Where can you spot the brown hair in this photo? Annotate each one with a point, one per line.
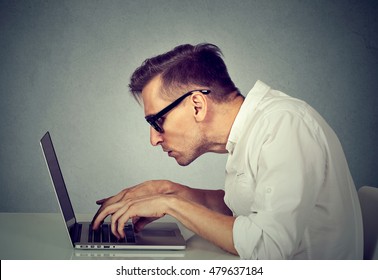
(186, 65)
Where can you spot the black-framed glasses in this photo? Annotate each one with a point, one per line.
(155, 120)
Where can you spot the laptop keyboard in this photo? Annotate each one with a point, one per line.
(105, 235)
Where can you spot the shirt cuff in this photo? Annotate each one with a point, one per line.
(246, 235)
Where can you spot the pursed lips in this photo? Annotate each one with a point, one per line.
(167, 151)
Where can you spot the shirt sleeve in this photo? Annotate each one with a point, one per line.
(290, 171)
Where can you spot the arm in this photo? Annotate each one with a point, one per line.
(209, 224)
(202, 211)
(212, 199)
(289, 169)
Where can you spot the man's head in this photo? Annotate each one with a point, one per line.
(184, 66)
(184, 93)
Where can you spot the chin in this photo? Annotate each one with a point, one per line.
(185, 161)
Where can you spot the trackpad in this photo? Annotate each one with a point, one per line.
(157, 232)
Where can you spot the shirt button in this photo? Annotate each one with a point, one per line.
(268, 190)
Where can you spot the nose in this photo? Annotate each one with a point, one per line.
(156, 137)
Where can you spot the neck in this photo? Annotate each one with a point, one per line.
(220, 123)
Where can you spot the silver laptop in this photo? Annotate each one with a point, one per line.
(155, 236)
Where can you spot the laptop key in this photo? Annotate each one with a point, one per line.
(97, 235)
(129, 232)
(90, 234)
(108, 236)
(78, 232)
(75, 232)
(105, 233)
(113, 238)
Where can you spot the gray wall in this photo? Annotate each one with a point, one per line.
(65, 67)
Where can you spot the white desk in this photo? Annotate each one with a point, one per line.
(43, 236)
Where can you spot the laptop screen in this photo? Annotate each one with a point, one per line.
(57, 179)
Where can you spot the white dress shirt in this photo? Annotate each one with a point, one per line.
(288, 183)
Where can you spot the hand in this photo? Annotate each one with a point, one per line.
(152, 207)
(148, 188)
(140, 222)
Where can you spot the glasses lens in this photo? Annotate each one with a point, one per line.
(154, 123)
(157, 127)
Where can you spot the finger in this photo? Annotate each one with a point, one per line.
(96, 215)
(113, 228)
(121, 225)
(110, 199)
(104, 213)
(115, 220)
(119, 219)
(101, 201)
(106, 202)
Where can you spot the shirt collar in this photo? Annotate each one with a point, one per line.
(249, 105)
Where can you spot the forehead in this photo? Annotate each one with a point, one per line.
(152, 99)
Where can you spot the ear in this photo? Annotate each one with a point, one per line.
(199, 103)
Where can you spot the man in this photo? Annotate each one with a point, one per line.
(288, 192)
